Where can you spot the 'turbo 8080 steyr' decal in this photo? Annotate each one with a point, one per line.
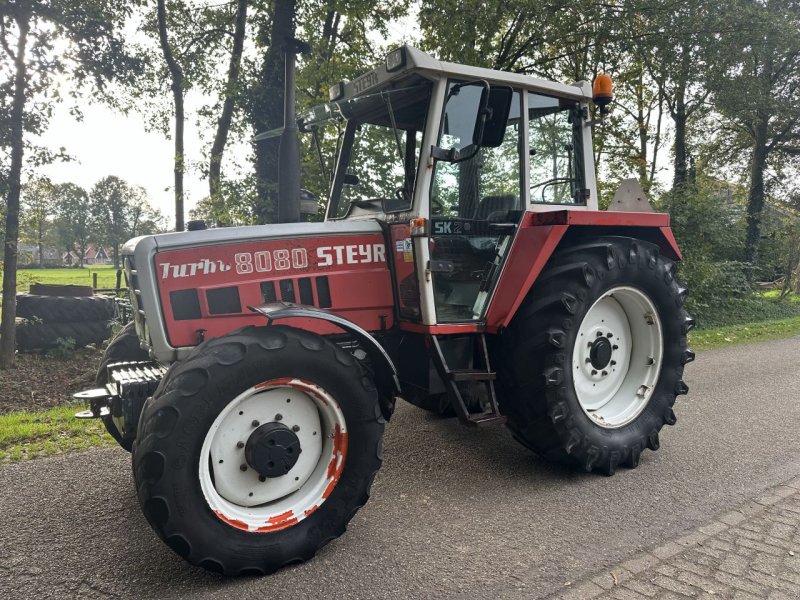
(279, 259)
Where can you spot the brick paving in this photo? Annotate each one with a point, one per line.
(752, 552)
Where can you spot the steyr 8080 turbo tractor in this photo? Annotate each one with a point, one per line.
(463, 266)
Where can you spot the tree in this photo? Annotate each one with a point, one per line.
(758, 90)
(143, 218)
(112, 211)
(73, 219)
(230, 95)
(177, 78)
(37, 214)
(29, 30)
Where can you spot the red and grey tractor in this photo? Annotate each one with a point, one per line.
(463, 266)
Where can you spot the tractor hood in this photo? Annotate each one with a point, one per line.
(197, 285)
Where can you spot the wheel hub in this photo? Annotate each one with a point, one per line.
(617, 356)
(272, 449)
(600, 353)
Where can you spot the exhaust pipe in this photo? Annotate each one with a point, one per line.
(289, 179)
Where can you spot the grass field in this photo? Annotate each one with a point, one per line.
(25, 434)
(106, 277)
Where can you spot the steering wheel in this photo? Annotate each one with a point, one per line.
(545, 184)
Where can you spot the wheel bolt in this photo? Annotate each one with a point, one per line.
(599, 334)
(615, 347)
(613, 362)
(240, 444)
(278, 417)
(604, 373)
(255, 423)
(243, 467)
(261, 478)
(594, 372)
(296, 428)
(609, 335)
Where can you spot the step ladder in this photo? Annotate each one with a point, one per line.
(478, 375)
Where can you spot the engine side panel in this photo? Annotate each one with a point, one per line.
(211, 287)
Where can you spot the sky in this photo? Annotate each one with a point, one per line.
(107, 142)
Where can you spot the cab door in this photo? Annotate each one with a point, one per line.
(475, 206)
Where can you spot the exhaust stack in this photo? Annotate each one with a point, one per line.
(289, 180)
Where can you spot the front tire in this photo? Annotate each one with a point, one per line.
(208, 481)
(593, 359)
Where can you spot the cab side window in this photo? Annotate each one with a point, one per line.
(556, 150)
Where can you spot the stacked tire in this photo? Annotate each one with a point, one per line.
(57, 313)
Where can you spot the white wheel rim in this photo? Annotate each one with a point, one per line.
(240, 497)
(615, 393)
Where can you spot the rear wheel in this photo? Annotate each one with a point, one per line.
(258, 449)
(592, 361)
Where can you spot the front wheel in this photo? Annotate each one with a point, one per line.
(593, 359)
(257, 449)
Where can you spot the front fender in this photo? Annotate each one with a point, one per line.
(385, 371)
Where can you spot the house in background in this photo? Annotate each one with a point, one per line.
(29, 255)
(95, 255)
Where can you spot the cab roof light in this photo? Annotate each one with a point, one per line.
(602, 91)
(396, 59)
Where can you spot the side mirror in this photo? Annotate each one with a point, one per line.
(475, 117)
(495, 105)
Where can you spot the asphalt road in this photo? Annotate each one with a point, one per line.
(454, 512)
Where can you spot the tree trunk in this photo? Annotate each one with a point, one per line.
(224, 123)
(267, 112)
(9, 311)
(176, 74)
(755, 197)
(642, 121)
(680, 165)
(40, 243)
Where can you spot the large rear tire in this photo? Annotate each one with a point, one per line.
(203, 481)
(124, 347)
(592, 361)
(42, 336)
(65, 309)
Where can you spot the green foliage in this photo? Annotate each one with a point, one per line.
(74, 226)
(121, 212)
(63, 349)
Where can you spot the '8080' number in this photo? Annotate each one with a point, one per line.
(265, 261)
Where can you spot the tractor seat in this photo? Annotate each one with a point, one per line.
(494, 208)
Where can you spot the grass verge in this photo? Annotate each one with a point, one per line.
(31, 434)
(762, 331)
(106, 276)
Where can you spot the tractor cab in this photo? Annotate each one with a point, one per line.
(450, 158)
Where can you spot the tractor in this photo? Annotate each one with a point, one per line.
(462, 266)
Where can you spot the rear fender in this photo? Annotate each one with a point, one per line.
(541, 234)
(385, 372)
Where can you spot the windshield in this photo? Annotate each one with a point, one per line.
(379, 151)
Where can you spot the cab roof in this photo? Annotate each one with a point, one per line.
(412, 60)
